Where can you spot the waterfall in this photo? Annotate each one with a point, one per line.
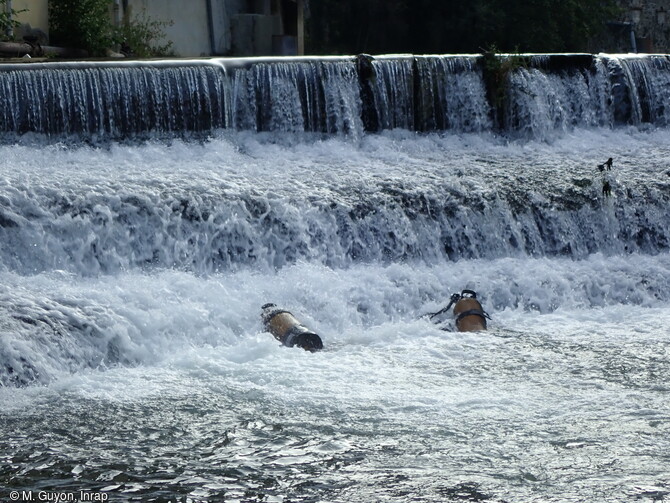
(116, 101)
(148, 210)
(540, 102)
(451, 95)
(90, 231)
(393, 91)
(315, 96)
(544, 95)
(208, 222)
(641, 89)
(409, 164)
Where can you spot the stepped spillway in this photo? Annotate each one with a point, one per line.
(535, 95)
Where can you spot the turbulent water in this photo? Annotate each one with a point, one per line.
(134, 365)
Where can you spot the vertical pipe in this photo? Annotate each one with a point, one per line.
(10, 26)
(210, 28)
(125, 11)
(117, 13)
(301, 27)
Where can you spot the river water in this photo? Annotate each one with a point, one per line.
(157, 382)
(134, 365)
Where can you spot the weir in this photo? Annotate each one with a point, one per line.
(534, 95)
(413, 163)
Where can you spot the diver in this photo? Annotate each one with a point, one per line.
(607, 188)
(607, 164)
(288, 330)
(469, 316)
(607, 184)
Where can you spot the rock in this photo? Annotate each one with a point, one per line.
(34, 36)
(113, 54)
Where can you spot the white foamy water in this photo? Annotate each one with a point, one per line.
(130, 290)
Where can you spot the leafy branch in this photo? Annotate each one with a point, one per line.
(7, 21)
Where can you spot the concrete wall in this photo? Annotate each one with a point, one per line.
(189, 32)
(252, 34)
(37, 14)
(238, 27)
(647, 20)
(224, 14)
(234, 31)
(651, 21)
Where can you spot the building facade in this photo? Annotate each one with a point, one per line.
(642, 26)
(200, 28)
(276, 27)
(226, 27)
(33, 12)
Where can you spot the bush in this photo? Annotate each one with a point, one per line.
(496, 69)
(87, 25)
(81, 24)
(140, 37)
(455, 26)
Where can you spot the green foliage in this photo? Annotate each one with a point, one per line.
(453, 26)
(87, 25)
(550, 26)
(82, 24)
(143, 36)
(496, 68)
(367, 25)
(7, 21)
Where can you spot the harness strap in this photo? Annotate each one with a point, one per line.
(473, 312)
(465, 294)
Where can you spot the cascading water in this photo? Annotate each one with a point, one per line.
(451, 95)
(540, 102)
(149, 210)
(642, 89)
(319, 96)
(117, 101)
(86, 228)
(544, 95)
